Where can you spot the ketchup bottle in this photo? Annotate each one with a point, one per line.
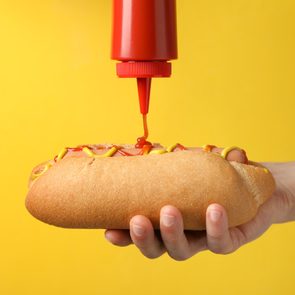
(144, 40)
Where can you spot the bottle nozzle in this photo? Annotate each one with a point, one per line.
(144, 90)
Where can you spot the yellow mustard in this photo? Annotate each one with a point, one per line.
(88, 151)
(172, 148)
(227, 150)
(61, 154)
(158, 152)
(45, 168)
(114, 149)
(109, 153)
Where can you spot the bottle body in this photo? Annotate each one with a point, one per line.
(144, 30)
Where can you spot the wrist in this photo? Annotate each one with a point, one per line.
(284, 175)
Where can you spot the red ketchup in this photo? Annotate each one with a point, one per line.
(181, 147)
(145, 148)
(142, 141)
(144, 40)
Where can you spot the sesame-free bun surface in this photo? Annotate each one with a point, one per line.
(107, 192)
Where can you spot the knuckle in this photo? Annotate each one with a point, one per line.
(140, 241)
(152, 255)
(148, 250)
(219, 249)
(178, 256)
(141, 245)
(171, 235)
(238, 238)
(171, 230)
(118, 244)
(171, 240)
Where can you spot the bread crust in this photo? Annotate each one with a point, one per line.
(107, 192)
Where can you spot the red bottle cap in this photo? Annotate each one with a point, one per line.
(144, 69)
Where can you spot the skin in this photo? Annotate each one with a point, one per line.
(218, 238)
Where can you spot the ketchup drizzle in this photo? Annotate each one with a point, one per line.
(181, 147)
(142, 144)
(142, 141)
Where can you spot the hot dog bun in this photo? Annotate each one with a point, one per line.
(91, 192)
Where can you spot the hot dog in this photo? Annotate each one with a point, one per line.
(104, 186)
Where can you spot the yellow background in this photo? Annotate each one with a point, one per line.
(233, 84)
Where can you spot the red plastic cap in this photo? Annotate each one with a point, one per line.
(144, 69)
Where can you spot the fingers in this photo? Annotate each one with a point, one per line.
(232, 154)
(180, 245)
(218, 235)
(143, 236)
(172, 233)
(118, 237)
(174, 238)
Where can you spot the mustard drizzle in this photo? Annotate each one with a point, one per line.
(227, 150)
(109, 153)
(35, 175)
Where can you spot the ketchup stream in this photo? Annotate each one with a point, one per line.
(142, 141)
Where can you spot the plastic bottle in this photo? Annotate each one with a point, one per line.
(144, 40)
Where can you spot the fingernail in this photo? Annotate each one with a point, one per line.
(107, 236)
(168, 220)
(215, 215)
(138, 230)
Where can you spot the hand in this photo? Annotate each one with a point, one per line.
(218, 238)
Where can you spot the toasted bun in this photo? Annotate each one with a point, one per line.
(85, 192)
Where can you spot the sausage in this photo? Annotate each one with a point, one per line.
(233, 154)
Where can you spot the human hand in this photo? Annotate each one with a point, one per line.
(218, 238)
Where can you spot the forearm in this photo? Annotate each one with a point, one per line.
(284, 174)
